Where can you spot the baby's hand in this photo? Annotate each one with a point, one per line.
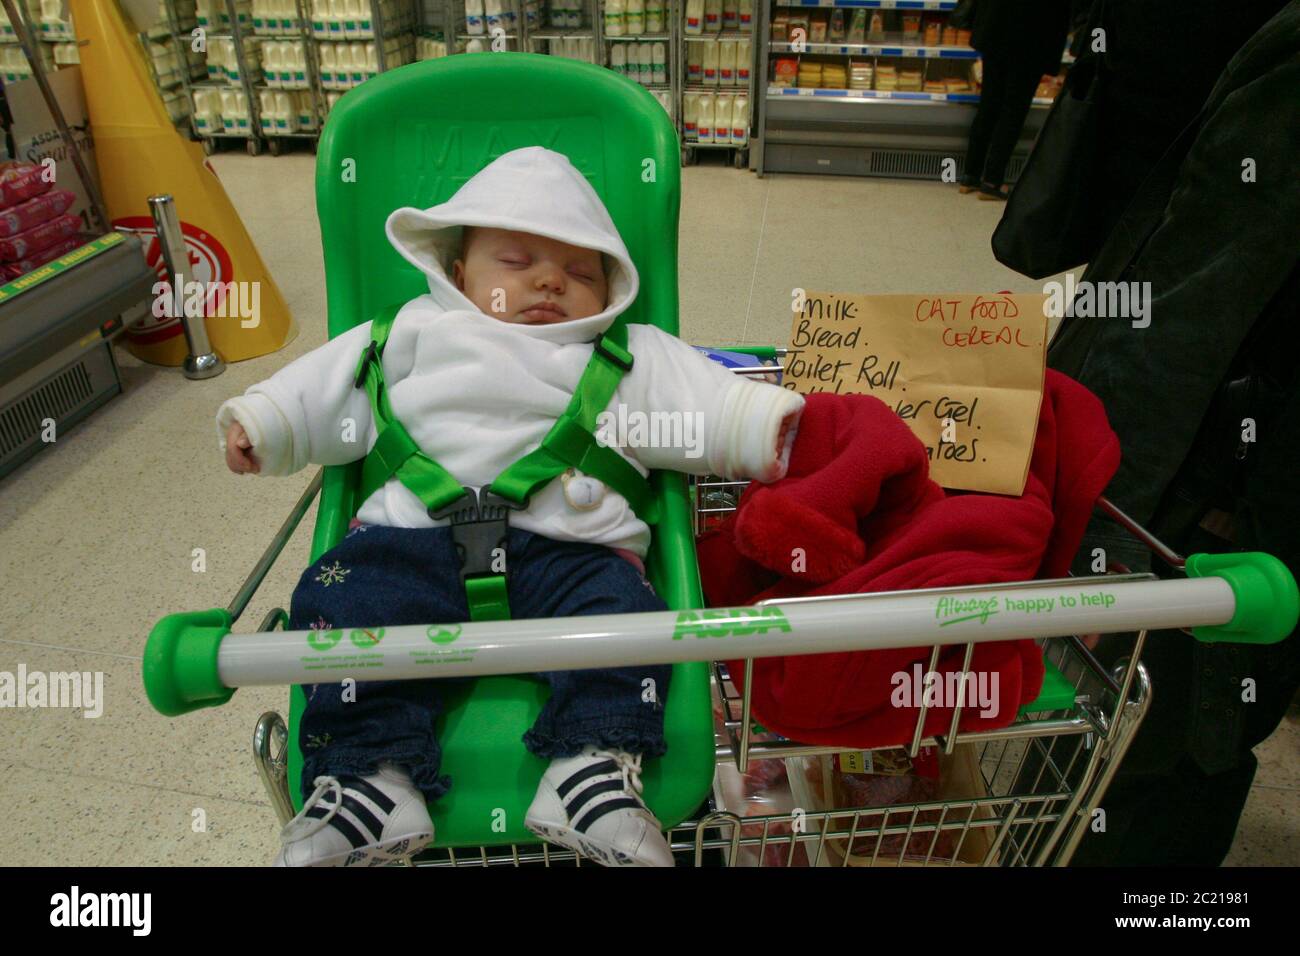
(781, 436)
(239, 457)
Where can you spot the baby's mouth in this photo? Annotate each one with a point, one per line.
(544, 312)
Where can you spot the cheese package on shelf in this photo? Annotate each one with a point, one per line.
(837, 31)
(817, 28)
(785, 71)
(834, 76)
(857, 32)
(910, 81)
(810, 75)
(860, 74)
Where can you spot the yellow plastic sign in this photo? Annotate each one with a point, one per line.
(140, 154)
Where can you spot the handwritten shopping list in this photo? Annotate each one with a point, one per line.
(964, 371)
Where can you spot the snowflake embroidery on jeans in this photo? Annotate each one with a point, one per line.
(320, 625)
(334, 574)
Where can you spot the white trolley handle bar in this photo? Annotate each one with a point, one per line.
(847, 623)
(193, 661)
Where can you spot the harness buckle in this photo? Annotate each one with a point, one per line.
(599, 345)
(371, 354)
(479, 520)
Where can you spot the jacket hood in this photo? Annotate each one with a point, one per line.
(533, 190)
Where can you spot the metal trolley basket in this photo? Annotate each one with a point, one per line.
(1038, 782)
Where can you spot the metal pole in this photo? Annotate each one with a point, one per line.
(202, 361)
(19, 22)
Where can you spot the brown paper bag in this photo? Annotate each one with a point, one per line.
(964, 371)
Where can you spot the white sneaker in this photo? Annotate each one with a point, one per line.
(369, 821)
(592, 805)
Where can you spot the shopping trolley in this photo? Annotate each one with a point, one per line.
(413, 136)
(1037, 783)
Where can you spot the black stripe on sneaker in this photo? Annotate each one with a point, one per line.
(354, 836)
(364, 816)
(598, 811)
(584, 797)
(595, 770)
(372, 793)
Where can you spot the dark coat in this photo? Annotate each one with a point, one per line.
(1223, 259)
(1162, 59)
(1028, 31)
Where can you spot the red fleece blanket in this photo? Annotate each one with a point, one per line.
(859, 503)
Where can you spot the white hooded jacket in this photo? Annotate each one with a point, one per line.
(477, 393)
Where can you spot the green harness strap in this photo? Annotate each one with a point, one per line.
(570, 443)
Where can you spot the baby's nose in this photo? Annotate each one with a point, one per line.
(551, 279)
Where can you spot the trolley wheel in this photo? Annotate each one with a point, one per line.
(209, 145)
(738, 158)
(314, 143)
(276, 146)
(254, 146)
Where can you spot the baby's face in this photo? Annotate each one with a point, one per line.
(529, 279)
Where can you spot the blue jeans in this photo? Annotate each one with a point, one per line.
(387, 576)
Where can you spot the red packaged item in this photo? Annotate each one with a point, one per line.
(19, 182)
(43, 236)
(35, 211)
(13, 270)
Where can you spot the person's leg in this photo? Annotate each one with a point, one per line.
(620, 708)
(597, 724)
(377, 576)
(1017, 96)
(986, 116)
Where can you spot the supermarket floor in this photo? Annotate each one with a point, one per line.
(98, 535)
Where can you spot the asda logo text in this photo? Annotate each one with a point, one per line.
(730, 622)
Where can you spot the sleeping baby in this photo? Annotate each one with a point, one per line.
(526, 271)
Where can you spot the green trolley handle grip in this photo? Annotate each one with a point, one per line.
(1268, 603)
(180, 662)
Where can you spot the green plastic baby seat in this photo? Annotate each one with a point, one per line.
(412, 137)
